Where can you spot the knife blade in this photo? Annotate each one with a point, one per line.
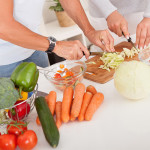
(130, 40)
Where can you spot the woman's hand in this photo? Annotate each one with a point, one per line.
(102, 39)
(71, 50)
(117, 24)
(143, 33)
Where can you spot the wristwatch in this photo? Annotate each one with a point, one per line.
(52, 43)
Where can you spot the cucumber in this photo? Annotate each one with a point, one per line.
(47, 121)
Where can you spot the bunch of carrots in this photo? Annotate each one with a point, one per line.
(80, 103)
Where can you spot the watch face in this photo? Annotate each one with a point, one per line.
(53, 39)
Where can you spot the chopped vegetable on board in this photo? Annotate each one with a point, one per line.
(113, 60)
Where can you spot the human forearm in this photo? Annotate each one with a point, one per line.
(76, 12)
(14, 32)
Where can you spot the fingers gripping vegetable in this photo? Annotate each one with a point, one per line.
(20, 111)
(96, 101)
(25, 76)
(8, 142)
(8, 93)
(27, 140)
(16, 128)
(47, 121)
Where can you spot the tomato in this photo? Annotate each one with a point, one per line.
(8, 142)
(17, 128)
(57, 75)
(20, 111)
(27, 140)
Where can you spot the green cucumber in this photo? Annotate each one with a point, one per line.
(47, 121)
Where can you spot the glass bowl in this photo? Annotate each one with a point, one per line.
(4, 113)
(77, 67)
(144, 56)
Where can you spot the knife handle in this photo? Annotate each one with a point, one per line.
(84, 53)
(129, 39)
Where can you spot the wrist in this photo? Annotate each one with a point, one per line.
(89, 31)
(115, 12)
(52, 44)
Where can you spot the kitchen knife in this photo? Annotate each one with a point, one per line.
(130, 40)
(98, 53)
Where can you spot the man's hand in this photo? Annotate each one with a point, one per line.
(71, 50)
(143, 33)
(102, 39)
(117, 24)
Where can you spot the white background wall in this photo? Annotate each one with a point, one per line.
(49, 15)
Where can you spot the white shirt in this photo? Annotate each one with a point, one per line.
(28, 13)
(103, 8)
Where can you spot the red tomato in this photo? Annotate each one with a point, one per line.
(57, 75)
(8, 142)
(16, 128)
(27, 140)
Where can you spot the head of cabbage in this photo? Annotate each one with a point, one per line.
(132, 80)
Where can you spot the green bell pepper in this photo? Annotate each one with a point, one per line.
(25, 76)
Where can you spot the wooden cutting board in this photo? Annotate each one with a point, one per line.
(101, 75)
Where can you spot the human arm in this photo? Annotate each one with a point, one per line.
(115, 21)
(143, 29)
(77, 13)
(16, 33)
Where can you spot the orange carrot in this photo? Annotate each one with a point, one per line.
(93, 106)
(61, 66)
(91, 89)
(58, 111)
(51, 101)
(38, 121)
(72, 118)
(46, 98)
(86, 100)
(78, 98)
(66, 103)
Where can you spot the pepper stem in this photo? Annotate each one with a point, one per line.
(20, 90)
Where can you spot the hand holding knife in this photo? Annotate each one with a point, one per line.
(130, 40)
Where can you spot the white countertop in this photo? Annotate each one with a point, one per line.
(119, 124)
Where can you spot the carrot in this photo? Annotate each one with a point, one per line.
(46, 98)
(51, 101)
(58, 114)
(38, 121)
(72, 118)
(86, 100)
(91, 89)
(66, 103)
(61, 66)
(96, 101)
(78, 98)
